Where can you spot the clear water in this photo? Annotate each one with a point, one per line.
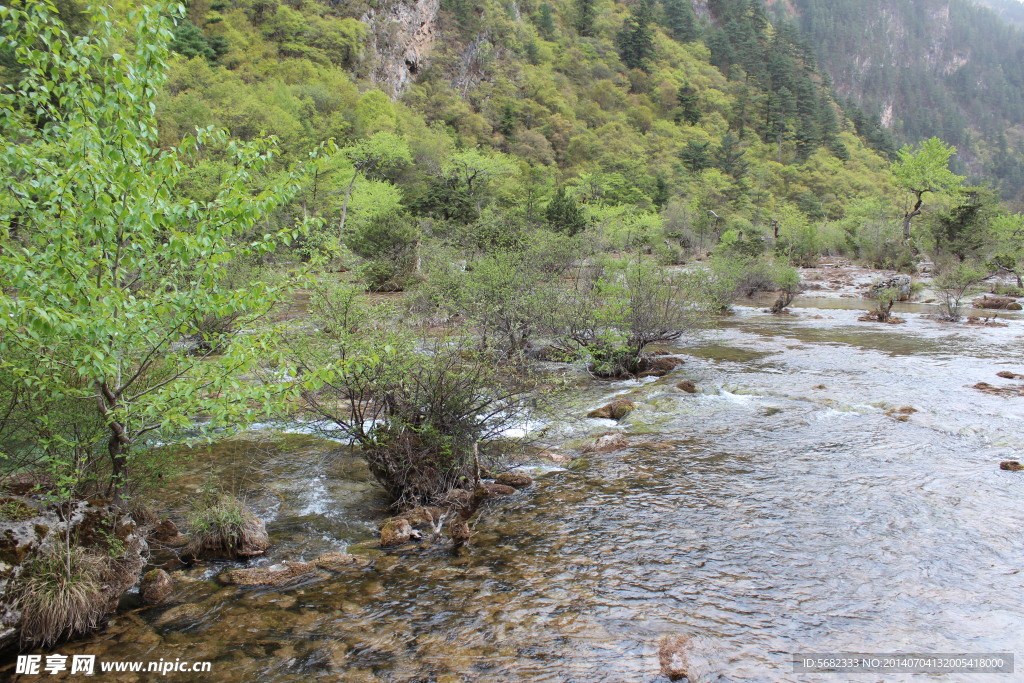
(780, 510)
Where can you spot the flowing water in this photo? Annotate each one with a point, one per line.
(783, 509)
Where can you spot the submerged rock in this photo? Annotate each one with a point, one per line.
(1006, 374)
(999, 391)
(1011, 466)
(616, 410)
(607, 443)
(155, 587)
(424, 516)
(498, 489)
(517, 480)
(278, 575)
(337, 562)
(672, 655)
(688, 386)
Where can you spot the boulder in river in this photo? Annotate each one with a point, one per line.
(155, 587)
(1006, 374)
(688, 386)
(659, 366)
(616, 410)
(498, 489)
(337, 562)
(517, 480)
(607, 443)
(901, 283)
(1011, 466)
(673, 657)
(278, 575)
(396, 531)
(1002, 303)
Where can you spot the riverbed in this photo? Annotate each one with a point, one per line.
(795, 504)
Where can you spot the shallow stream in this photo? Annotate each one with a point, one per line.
(782, 509)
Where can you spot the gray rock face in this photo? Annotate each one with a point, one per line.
(901, 283)
(401, 38)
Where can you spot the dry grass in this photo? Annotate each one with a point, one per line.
(222, 526)
(60, 595)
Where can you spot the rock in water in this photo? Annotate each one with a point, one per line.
(607, 443)
(395, 531)
(1011, 466)
(155, 586)
(517, 480)
(498, 489)
(1006, 374)
(687, 386)
(672, 655)
(1003, 303)
(616, 410)
(279, 575)
(337, 562)
(901, 283)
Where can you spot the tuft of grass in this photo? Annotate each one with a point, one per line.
(60, 595)
(221, 525)
(14, 510)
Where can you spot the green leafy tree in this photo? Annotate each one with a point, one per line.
(374, 155)
(922, 171)
(1008, 237)
(104, 270)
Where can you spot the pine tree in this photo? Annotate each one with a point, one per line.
(729, 156)
(546, 21)
(680, 20)
(636, 46)
(689, 105)
(564, 214)
(696, 156)
(585, 15)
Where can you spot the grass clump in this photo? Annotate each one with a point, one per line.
(223, 527)
(60, 595)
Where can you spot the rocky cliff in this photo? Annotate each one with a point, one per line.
(401, 37)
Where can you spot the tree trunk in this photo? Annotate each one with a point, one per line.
(909, 216)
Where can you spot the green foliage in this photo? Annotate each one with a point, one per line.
(564, 214)
(680, 20)
(614, 311)
(586, 12)
(106, 267)
(955, 282)
(962, 232)
(389, 244)
(922, 171)
(635, 44)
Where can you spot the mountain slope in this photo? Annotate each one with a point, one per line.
(933, 67)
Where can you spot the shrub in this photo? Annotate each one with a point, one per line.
(954, 283)
(389, 244)
(415, 411)
(613, 311)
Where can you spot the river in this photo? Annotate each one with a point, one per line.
(785, 508)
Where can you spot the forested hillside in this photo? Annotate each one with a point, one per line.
(950, 68)
(499, 104)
